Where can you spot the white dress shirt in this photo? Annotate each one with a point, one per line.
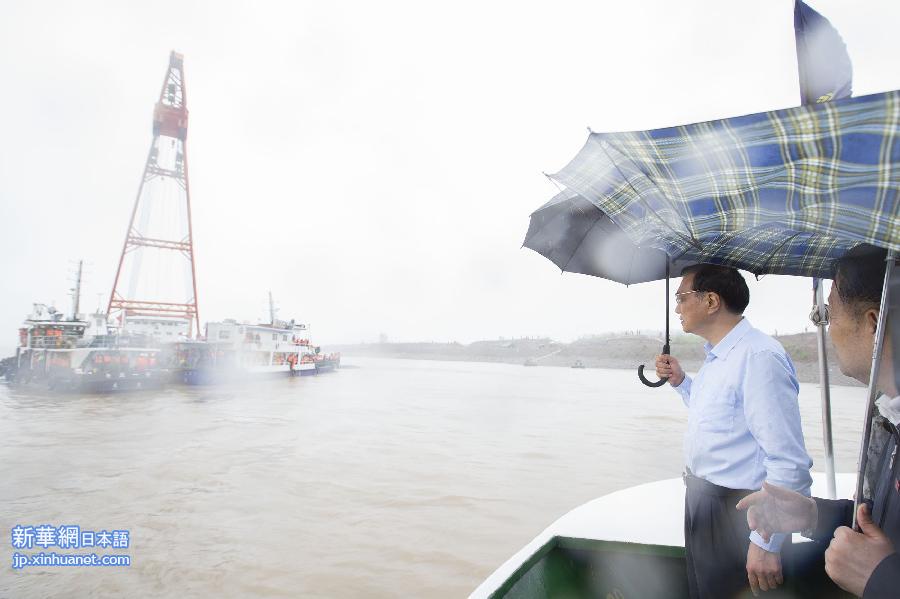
(744, 418)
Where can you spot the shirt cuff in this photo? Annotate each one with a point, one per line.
(684, 388)
(774, 544)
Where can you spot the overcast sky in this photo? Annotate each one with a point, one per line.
(375, 164)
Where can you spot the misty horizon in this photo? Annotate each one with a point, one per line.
(375, 179)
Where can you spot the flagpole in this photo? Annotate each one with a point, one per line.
(825, 73)
(819, 317)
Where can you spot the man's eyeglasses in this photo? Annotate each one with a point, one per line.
(678, 296)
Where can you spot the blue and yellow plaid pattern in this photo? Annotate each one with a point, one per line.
(782, 192)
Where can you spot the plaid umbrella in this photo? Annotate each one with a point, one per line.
(781, 192)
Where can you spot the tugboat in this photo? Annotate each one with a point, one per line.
(234, 350)
(75, 353)
(277, 347)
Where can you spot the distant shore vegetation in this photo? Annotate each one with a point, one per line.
(619, 350)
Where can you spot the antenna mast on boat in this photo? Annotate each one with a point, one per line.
(271, 309)
(164, 188)
(76, 292)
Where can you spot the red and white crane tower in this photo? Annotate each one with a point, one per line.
(157, 258)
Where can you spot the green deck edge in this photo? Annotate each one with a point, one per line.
(586, 544)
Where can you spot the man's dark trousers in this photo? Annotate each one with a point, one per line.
(716, 540)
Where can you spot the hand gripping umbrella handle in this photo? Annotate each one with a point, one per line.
(648, 382)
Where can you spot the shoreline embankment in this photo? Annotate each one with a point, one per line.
(623, 351)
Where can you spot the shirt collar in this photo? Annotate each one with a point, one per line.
(723, 347)
(889, 408)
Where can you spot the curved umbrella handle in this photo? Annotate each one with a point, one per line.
(665, 350)
(648, 382)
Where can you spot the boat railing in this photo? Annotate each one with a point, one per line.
(53, 342)
(119, 341)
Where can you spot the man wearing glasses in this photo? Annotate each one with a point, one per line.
(743, 429)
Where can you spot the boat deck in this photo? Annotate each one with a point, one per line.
(630, 543)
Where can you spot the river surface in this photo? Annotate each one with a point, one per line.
(390, 478)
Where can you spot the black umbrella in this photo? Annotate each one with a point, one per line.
(578, 237)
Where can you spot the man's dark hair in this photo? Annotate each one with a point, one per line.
(725, 281)
(859, 277)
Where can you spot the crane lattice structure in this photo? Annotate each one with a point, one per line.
(164, 188)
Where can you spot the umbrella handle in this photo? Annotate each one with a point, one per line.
(647, 381)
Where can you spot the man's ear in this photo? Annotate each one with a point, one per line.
(713, 302)
(870, 321)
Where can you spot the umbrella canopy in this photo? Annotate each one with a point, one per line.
(781, 192)
(579, 237)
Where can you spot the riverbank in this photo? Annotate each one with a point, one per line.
(612, 351)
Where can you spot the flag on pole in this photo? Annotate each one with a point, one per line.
(822, 61)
